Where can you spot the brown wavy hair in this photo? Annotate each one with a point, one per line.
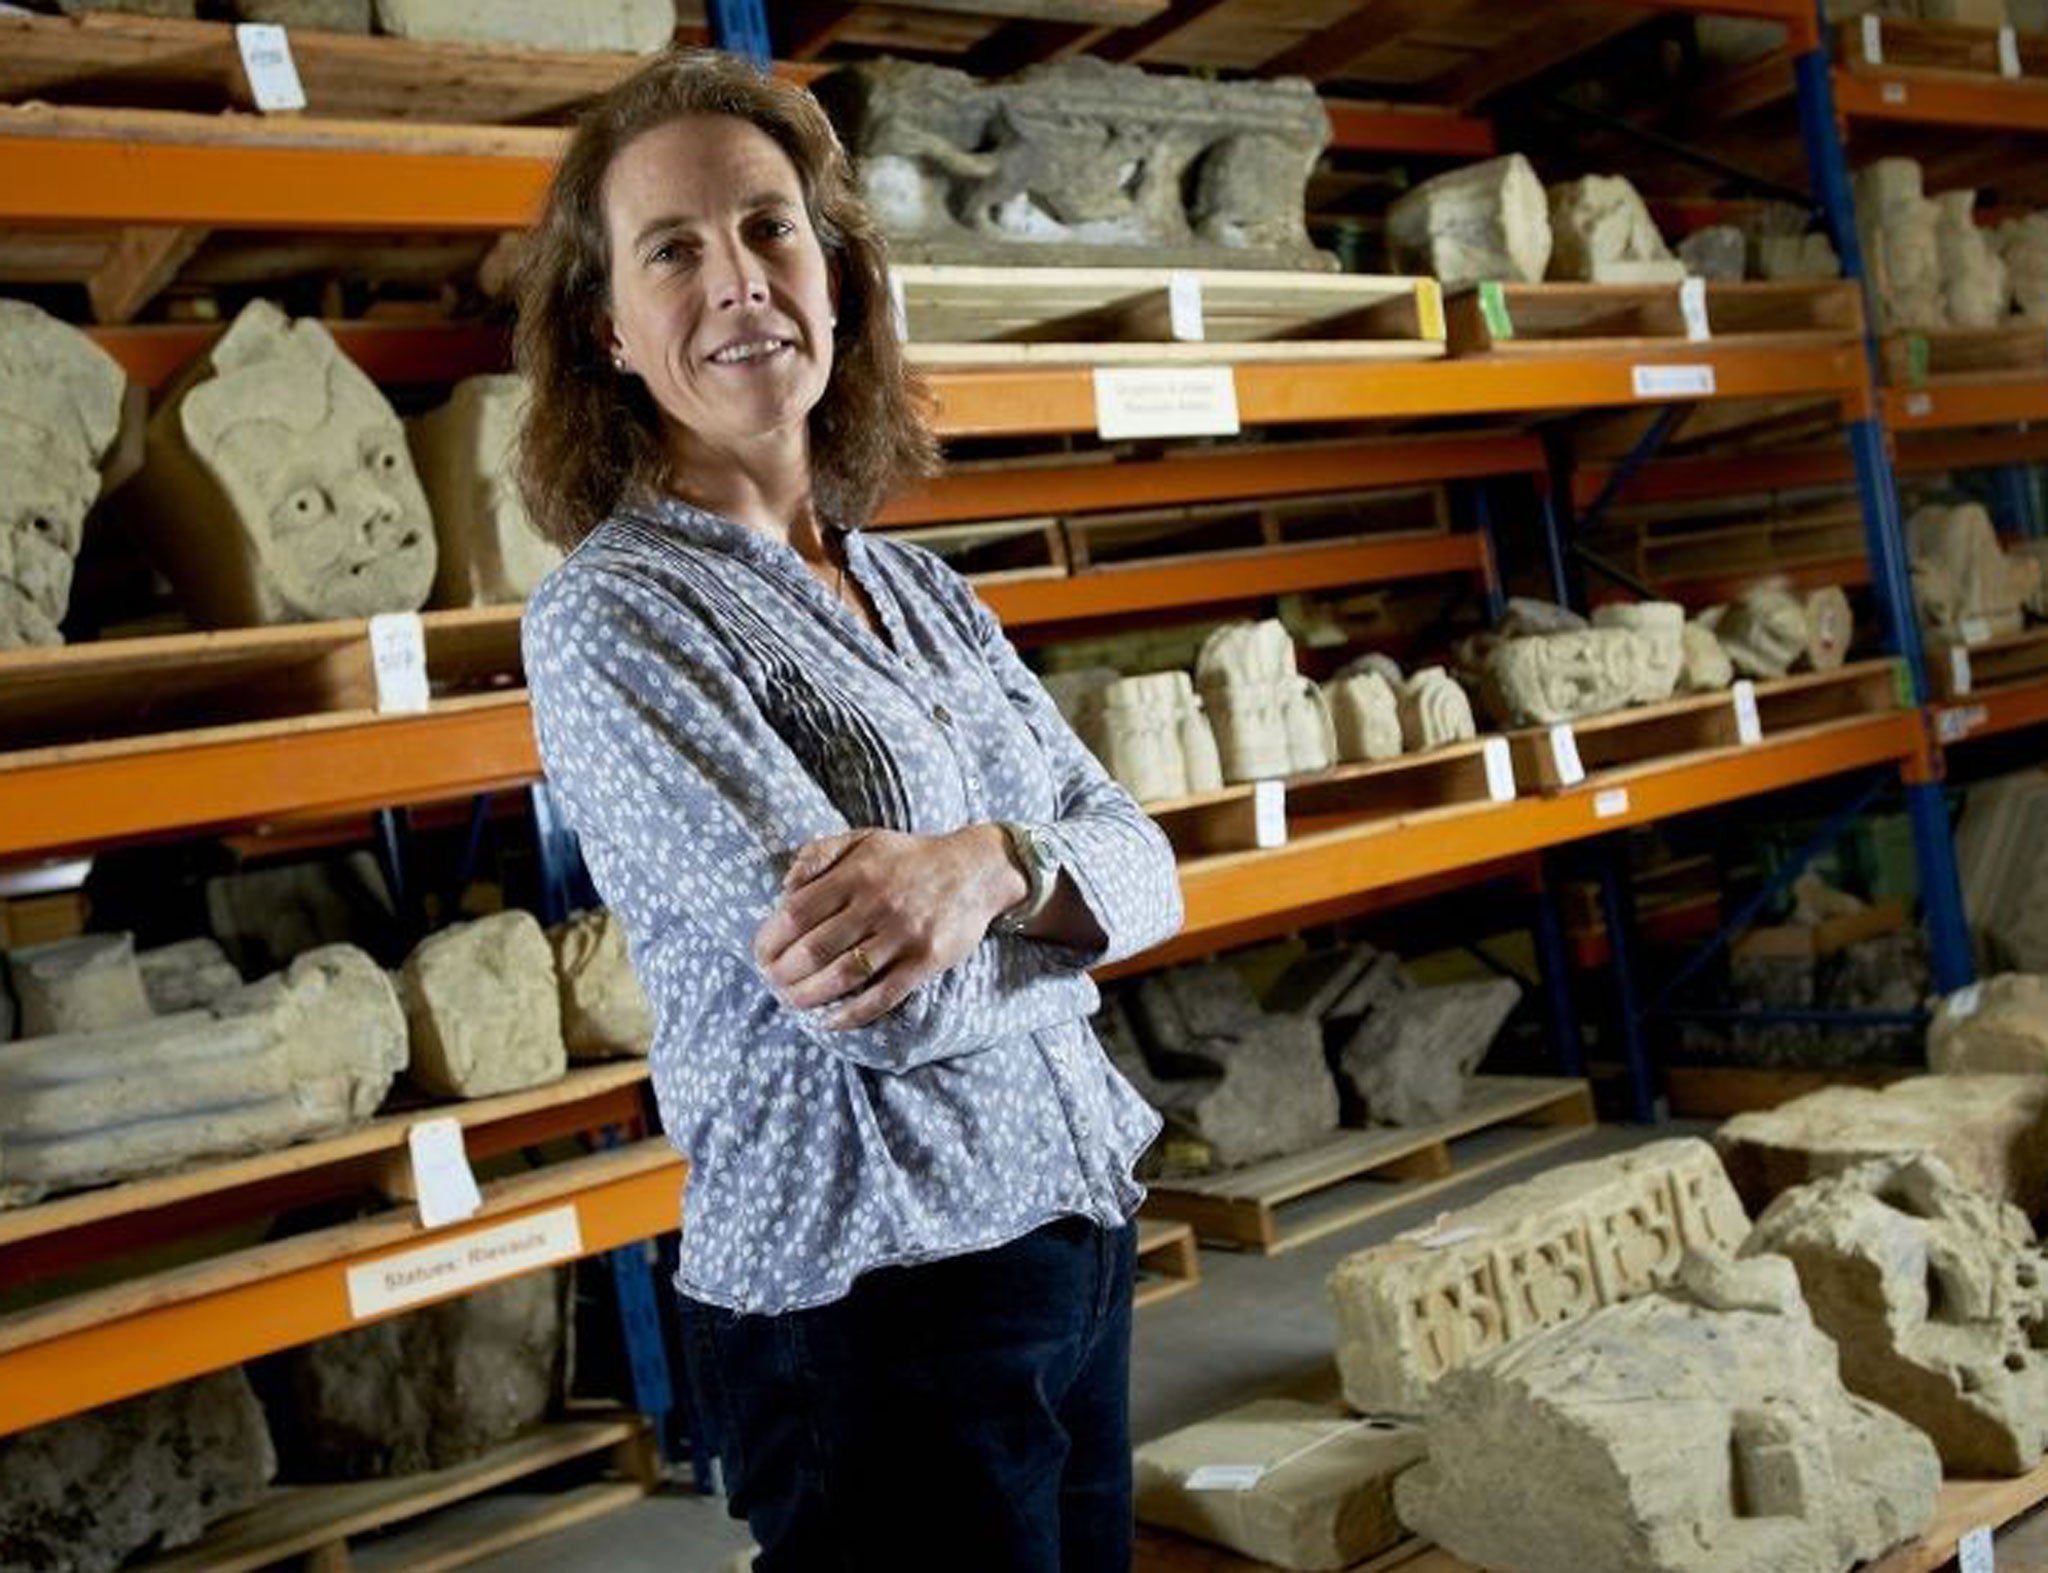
(592, 436)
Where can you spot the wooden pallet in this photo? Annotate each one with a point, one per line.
(1958, 671)
(324, 1524)
(1168, 1263)
(1008, 316)
(1581, 319)
(1662, 549)
(1280, 1205)
(1950, 49)
(1964, 355)
(1453, 776)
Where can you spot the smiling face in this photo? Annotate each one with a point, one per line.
(721, 296)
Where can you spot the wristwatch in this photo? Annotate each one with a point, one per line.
(1039, 860)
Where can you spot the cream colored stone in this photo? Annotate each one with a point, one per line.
(1662, 626)
(1549, 678)
(1531, 1256)
(1705, 666)
(1324, 1499)
(1830, 628)
(87, 984)
(1967, 586)
(1999, 1024)
(1366, 713)
(1484, 221)
(1269, 721)
(482, 1007)
(1435, 710)
(1900, 229)
(488, 550)
(1765, 632)
(605, 1012)
(278, 487)
(1602, 232)
(1152, 735)
(192, 974)
(1702, 1429)
(1718, 253)
(2023, 246)
(633, 26)
(1796, 257)
(1974, 283)
(2002, 855)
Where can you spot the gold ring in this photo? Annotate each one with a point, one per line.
(860, 960)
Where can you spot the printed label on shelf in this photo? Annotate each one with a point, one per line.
(441, 1178)
(899, 309)
(1873, 40)
(1674, 382)
(2008, 52)
(1500, 769)
(1165, 401)
(1974, 1553)
(1184, 307)
(267, 63)
(469, 1261)
(1966, 1002)
(1959, 674)
(1226, 1477)
(1269, 813)
(1611, 804)
(1564, 754)
(398, 653)
(1893, 93)
(1692, 305)
(1952, 726)
(1975, 630)
(1749, 726)
(1919, 405)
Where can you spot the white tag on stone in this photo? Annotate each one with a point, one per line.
(1873, 40)
(1674, 382)
(1919, 405)
(1953, 725)
(1893, 93)
(1975, 630)
(1500, 769)
(267, 63)
(1269, 813)
(1749, 726)
(1226, 1477)
(441, 1177)
(2008, 52)
(468, 1261)
(1611, 804)
(1692, 305)
(1965, 1002)
(1974, 1553)
(1184, 307)
(398, 654)
(1165, 401)
(1959, 674)
(1564, 754)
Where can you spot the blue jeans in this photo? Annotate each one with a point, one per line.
(965, 1414)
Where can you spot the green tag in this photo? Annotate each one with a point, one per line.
(1916, 360)
(1493, 306)
(1902, 685)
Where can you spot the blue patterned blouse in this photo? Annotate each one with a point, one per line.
(704, 707)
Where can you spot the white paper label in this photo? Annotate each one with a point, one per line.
(1965, 1002)
(1269, 813)
(1919, 405)
(1146, 401)
(1974, 1553)
(1500, 769)
(1226, 1477)
(1952, 726)
(1611, 804)
(2008, 52)
(1692, 305)
(1873, 40)
(267, 63)
(447, 1267)
(899, 309)
(1893, 92)
(1184, 307)
(1959, 670)
(1564, 754)
(1975, 630)
(441, 1177)
(398, 652)
(1749, 726)
(1674, 382)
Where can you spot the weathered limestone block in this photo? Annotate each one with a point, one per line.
(1435, 710)
(481, 1003)
(1703, 1429)
(1269, 720)
(320, 16)
(1974, 284)
(2000, 1024)
(426, 1390)
(60, 411)
(1602, 233)
(1485, 221)
(1662, 625)
(1901, 247)
(2002, 855)
(1527, 616)
(1531, 1256)
(277, 486)
(1937, 1297)
(635, 26)
(605, 1012)
(1968, 587)
(1765, 632)
(1082, 161)
(1719, 253)
(1367, 715)
(1705, 666)
(1324, 1501)
(85, 1494)
(1830, 628)
(1549, 678)
(1409, 1062)
(2023, 246)
(1991, 1130)
(193, 974)
(1795, 257)
(1315, 984)
(1153, 735)
(488, 550)
(85, 984)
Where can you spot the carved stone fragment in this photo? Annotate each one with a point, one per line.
(1662, 625)
(1830, 628)
(481, 1003)
(1969, 588)
(1324, 1498)
(1548, 678)
(193, 974)
(1702, 1429)
(2002, 853)
(1765, 632)
(85, 984)
(1549, 1251)
(605, 1012)
(1602, 233)
(1974, 284)
(1705, 666)
(633, 26)
(1367, 716)
(1999, 1024)
(1900, 229)
(488, 550)
(2023, 246)
(1435, 710)
(1937, 1297)
(1153, 735)
(1269, 720)
(1718, 253)
(1484, 221)
(1409, 1062)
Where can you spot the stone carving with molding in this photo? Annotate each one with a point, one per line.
(1974, 285)
(627, 26)
(1999, 1024)
(1765, 632)
(1487, 221)
(60, 413)
(1991, 1130)
(277, 485)
(1549, 1251)
(1366, 712)
(306, 1052)
(193, 974)
(1153, 735)
(605, 1012)
(488, 551)
(1937, 1297)
(2002, 856)
(1662, 625)
(1901, 246)
(1701, 1429)
(1602, 233)
(1547, 678)
(1081, 161)
(1410, 1060)
(1830, 628)
(481, 1004)
(1969, 588)
(2023, 247)
(1435, 710)
(87, 984)
(1704, 665)
(1269, 720)
(1324, 1498)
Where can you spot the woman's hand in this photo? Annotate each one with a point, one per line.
(867, 916)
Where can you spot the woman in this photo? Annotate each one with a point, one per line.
(863, 862)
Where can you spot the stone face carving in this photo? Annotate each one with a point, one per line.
(1704, 665)
(1967, 586)
(1991, 1130)
(1662, 625)
(1937, 1297)
(1324, 1500)
(2023, 246)
(1081, 161)
(193, 974)
(278, 487)
(1830, 628)
(1367, 715)
(1548, 678)
(1602, 233)
(1899, 229)
(2000, 1024)
(1765, 633)
(60, 411)
(1269, 720)
(1703, 1429)
(481, 1002)
(88, 1492)
(1532, 1256)
(1973, 277)
(1719, 252)
(635, 26)
(85, 984)
(488, 551)
(1153, 735)
(2002, 852)
(1435, 710)
(1485, 221)
(605, 1012)
(1409, 1061)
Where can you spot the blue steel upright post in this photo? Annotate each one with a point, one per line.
(740, 27)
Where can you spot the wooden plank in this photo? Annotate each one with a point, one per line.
(1443, 777)
(464, 1533)
(1965, 1505)
(1714, 1092)
(998, 356)
(1168, 1262)
(140, 262)
(1548, 319)
(1364, 28)
(1916, 360)
(2012, 658)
